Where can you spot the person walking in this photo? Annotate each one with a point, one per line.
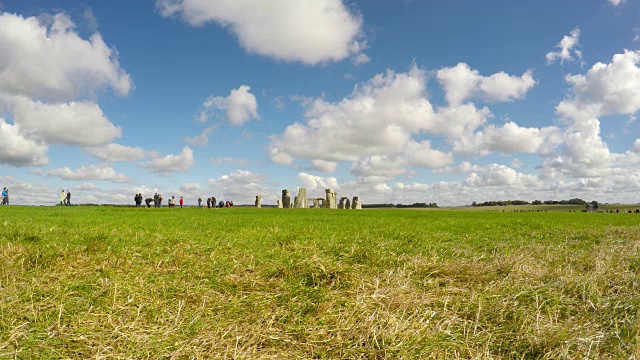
(199, 201)
(68, 197)
(181, 202)
(63, 198)
(208, 203)
(5, 197)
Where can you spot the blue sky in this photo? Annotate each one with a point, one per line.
(394, 101)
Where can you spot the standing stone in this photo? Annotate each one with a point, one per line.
(286, 199)
(279, 204)
(342, 204)
(258, 201)
(316, 203)
(347, 203)
(331, 199)
(355, 204)
(301, 200)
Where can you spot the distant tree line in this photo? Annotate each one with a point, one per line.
(574, 201)
(414, 205)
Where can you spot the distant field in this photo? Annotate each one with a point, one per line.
(561, 208)
(103, 282)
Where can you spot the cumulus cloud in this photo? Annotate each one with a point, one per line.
(47, 73)
(463, 167)
(117, 152)
(567, 51)
(64, 123)
(241, 186)
(616, 2)
(501, 175)
(172, 163)
(379, 168)
(203, 138)
(324, 166)
(52, 62)
(306, 31)
(189, 188)
(461, 83)
(91, 172)
(228, 160)
(316, 185)
(510, 138)
(240, 107)
(17, 150)
(378, 118)
(606, 89)
(422, 155)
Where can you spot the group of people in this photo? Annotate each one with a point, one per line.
(157, 201)
(65, 198)
(211, 203)
(5, 196)
(171, 202)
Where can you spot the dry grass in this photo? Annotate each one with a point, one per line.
(261, 284)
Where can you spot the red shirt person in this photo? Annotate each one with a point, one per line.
(181, 202)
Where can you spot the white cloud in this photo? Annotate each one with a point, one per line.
(117, 152)
(567, 49)
(53, 62)
(203, 138)
(306, 31)
(64, 123)
(378, 118)
(324, 166)
(510, 138)
(88, 186)
(361, 59)
(172, 163)
(461, 83)
(463, 167)
(241, 187)
(17, 150)
(616, 2)
(501, 175)
(316, 185)
(422, 155)
(190, 188)
(606, 89)
(91, 172)
(378, 168)
(240, 106)
(228, 160)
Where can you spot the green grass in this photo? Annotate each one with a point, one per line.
(102, 282)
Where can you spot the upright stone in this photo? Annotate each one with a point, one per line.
(258, 201)
(279, 204)
(301, 200)
(347, 203)
(316, 203)
(327, 198)
(331, 199)
(342, 204)
(286, 199)
(355, 204)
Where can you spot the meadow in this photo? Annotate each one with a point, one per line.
(241, 283)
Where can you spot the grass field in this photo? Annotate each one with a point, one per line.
(102, 282)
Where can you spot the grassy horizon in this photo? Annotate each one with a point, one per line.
(107, 282)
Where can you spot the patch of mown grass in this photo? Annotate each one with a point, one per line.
(267, 283)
